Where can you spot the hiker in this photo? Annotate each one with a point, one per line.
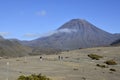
(40, 58)
(59, 57)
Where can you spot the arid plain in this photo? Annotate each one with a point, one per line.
(75, 65)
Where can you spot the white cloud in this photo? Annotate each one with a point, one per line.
(67, 30)
(48, 34)
(4, 33)
(59, 31)
(37, 35)
(31, 35)
(41, 13)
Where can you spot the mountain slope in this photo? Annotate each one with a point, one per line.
(1, 37)
(12, 48)
(116, 43)
(74, 34)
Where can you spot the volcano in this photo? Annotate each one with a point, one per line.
(75, 34)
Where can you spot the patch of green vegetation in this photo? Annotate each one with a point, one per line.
(110, 62)
(102, 65)
(95, 56)
(33, 77)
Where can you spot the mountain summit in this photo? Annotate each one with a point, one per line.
(76, 24)
(74, 34)
(82, 26)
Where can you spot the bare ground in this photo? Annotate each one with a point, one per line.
(76, 65)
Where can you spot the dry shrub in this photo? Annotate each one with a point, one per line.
(112, 69)
(75, 69)
(102, 65)
(110, 62)
(95, 56)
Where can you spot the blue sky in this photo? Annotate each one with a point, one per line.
(29, 19)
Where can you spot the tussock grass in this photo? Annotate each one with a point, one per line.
(33, 77)
(112, 69)
(102, 65)
(110, 62)
(95, 56)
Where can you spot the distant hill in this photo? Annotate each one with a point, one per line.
(12, 48)
(75, 34)
(116, 43)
